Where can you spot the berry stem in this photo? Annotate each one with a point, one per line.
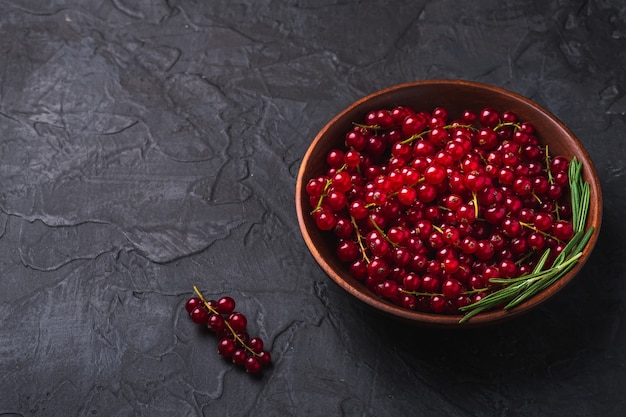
(382, 233)
(505, 124)
(359, 239)
(548, 171)
(423, 133)
(475, 200)
(370, 127)
(534, 229)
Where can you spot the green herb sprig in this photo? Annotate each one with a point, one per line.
(514, 291)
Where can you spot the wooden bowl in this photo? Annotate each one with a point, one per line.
(456, 96)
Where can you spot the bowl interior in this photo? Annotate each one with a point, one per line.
(456, 96)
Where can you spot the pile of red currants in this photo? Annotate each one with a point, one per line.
(230, 327)
(428, 210)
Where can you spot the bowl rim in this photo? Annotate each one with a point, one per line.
(443, 320)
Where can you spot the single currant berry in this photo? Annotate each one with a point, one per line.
(325, 219)
(397, 235)
(226, 347)
(378, 269)
(468, 117)
(437, 304)
(348, 251)
(489, 117)
(430, 284)
(358, 209)
(334, 158)
(315, 187)
(558, 164)
(264, 357)
(411, 281)
(384, 119)
(443, 159)
(435, 174)
(336, 200)
(253, 365)
(376, 146)
(484, 250)
(237, 321)
(399, 113)
(487, 139)
(355, 140)
(413, 125)
(563, 230)
(508, 268)
(225, 305)
(199, 315)
(239, 356)
(216, 323)
(352, 158)
(543, 221)
(426, 192)
(555, 191)
(358, 269)
(536, 241)
(407, 195)
(256, 344)
(451, 288)
(522, 185)
(192, 303)
(343, 228)
(389, 288)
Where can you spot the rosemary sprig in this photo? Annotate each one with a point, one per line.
(514, 291)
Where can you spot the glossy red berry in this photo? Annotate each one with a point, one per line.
(225, 305)
(199, 315)
(192, 303)
(237, 321)
(253, 365)
(226, 347)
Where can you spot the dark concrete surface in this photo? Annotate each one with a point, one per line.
(149, 146)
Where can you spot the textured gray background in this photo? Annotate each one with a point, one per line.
(147, 146)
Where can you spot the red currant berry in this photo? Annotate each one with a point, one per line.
(489, 117)
(264, 357)
(226, 347)
(437, 304)
(239, 356)
(334, 158)
(216, 323)
(543, 221)
(563, 230)
(237, 321)
(199, 315)
(192, 303)
(253, 365)
(225, 305)
(256, 344)
(451, 288)
(413, 125)
(348, 250)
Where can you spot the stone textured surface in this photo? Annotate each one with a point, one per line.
(147, 146)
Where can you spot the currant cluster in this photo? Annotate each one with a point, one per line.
(230, 326)
(428, 209)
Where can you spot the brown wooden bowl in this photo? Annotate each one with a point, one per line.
(456, 96)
